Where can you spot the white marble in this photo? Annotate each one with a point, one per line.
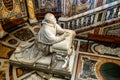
(46, 60)
(52, 39)
(102, 49)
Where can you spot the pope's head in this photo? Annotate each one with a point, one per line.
(49, 17)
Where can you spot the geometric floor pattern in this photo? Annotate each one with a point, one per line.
(88, 68)
(91, 64)
(94, 66)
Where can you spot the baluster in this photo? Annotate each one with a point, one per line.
(62, 25)
(66, 25)
(104, 15)
(116, 10)
(119, 13)
(79, 24)
(75, 24)
(89, 20)
(92, 18)
(110, 14)
(70, 25)
(107, 14)
(84, 22)
(114, 13)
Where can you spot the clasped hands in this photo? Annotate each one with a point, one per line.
(66, 34)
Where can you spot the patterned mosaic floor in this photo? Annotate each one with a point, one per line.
(92, 64)
(96, 62)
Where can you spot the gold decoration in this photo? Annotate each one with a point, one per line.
(13, 17)
(19, 72)
(4, 13)
(17, 8)
(1, 29)
(5, 49)
(30, 9)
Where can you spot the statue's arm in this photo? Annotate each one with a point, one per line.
(59, 29)
(52, 37)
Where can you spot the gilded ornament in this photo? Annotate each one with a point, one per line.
(17, 8)
(4, 13)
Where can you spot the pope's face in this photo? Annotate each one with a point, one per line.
(53, 20)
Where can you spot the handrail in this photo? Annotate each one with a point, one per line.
(92, 18)
(90, 11)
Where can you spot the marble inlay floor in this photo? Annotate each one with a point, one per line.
(89, 68)
(90, 63)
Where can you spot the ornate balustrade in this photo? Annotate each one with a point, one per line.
(92, 18)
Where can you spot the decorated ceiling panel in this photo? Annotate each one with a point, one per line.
(45, 6)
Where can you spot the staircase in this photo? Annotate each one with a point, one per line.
(98, 17)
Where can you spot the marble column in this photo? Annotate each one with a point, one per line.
(2, 32)
(31, 12)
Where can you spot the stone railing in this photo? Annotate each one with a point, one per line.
(92, 18)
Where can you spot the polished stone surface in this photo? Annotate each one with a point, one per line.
(93, 64)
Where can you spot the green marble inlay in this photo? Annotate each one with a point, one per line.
(110, 71)
(11, 14)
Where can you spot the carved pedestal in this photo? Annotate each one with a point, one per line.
(49, 64)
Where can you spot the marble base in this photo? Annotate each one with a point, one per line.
(2, 34)
(32, 21)
(44, 64)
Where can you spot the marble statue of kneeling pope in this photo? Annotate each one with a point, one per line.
(50, 39)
